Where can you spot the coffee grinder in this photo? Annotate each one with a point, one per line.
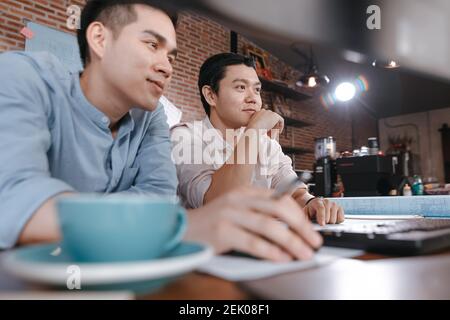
(325, 175)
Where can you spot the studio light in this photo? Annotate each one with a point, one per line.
(345, 91)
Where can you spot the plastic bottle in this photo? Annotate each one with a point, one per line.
(407, 190)
(417, 187)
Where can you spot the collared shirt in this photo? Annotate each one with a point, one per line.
(199, 150)
(53, 140)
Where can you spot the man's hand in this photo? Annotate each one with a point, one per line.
(324, 211)
(250, 221)
(266, 119)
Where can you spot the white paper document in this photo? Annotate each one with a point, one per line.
(356, 221)
(234, 268)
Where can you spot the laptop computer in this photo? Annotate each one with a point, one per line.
(399, 237)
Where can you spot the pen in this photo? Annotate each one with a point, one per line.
(290, 186)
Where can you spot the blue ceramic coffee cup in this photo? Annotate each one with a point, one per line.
(119, 228)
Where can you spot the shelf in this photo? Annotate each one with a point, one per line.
(295, 150)
(296, 123)
(285, 90)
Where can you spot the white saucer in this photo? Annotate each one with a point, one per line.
(45, 265)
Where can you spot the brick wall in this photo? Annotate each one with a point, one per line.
(13, 14)
(198, 38)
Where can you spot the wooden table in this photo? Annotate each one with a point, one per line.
(424, 277)
(367, 277)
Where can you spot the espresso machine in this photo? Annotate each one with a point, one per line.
(369, 175)
(366, 172)
(325, 174)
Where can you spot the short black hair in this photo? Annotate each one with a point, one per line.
(114, 14)
(213, 70)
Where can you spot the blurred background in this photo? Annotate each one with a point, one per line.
(347, 69)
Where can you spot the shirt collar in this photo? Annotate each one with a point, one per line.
(95, 115)
(126, 125)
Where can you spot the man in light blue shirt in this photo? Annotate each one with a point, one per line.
(103, 131)
(55, 140)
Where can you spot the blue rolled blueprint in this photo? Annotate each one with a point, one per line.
(427, 206)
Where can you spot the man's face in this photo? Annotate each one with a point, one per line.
(138, 63)
(239, 96)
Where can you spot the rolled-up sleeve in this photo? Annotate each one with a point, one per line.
(157, 173)
(194, 177)
(281, 166)
(25, 181)
(195, 180)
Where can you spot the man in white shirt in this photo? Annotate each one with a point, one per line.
(234, 145)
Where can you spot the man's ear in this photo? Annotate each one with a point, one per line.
(210, 95)
(96, 36)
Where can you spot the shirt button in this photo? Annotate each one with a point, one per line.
(105, 120)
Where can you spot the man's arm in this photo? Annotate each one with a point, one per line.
(236, 172)
(239, 173)
(322, 210)
(281, 166)
(302, 196)
(25, 181)
(43, 226)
